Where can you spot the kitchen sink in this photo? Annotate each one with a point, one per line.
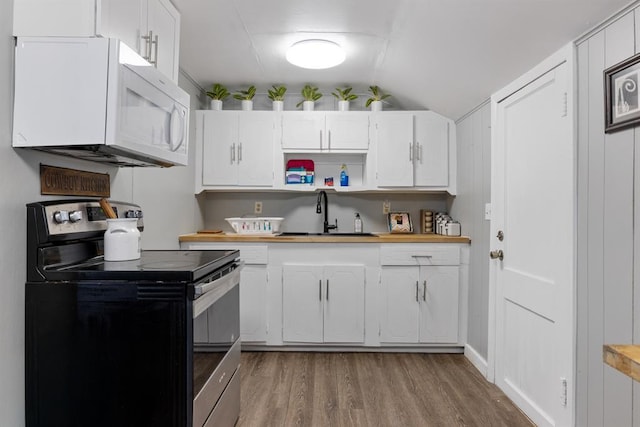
(337, 234)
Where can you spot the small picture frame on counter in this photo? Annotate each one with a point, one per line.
(399, 222)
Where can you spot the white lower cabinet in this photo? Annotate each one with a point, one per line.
(420, 304)
(323, 304)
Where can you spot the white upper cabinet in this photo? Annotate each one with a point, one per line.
(151, 27)
(415, 149)
(325, 131)
(236, 148)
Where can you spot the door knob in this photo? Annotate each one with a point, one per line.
(497, 254)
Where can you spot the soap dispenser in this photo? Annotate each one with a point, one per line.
(357, 224)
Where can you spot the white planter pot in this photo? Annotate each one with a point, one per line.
(278, 105)
(343, 105)
(247, 105)
(308, 105)
(216, 104)
(376, 105)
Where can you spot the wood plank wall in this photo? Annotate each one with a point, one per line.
(608, 298)
(474, 191)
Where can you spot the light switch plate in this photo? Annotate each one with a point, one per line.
(487, 211)
(386, 207)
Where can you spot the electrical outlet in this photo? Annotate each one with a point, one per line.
(386, 207)
(257, 208)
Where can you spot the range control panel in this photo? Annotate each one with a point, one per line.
(78, 217)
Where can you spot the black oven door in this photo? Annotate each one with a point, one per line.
(216, 355)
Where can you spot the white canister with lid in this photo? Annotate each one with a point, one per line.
(122, 240)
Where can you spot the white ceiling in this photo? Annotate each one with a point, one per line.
(443, 55)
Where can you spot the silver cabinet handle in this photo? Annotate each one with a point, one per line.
(327, 289)
(233, 153)
(155, 51)
(321, 139)
(419, 152)
(424, 291)
(149, 42)
(320, 290)
(239, 152)
(411, 152)
(329, 132)
(417, 300)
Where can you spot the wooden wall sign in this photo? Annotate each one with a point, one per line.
(72, 182)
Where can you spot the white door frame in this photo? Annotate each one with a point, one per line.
(565, 55)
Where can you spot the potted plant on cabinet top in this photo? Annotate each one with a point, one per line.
(246, 96)
(217, 94)
(277, 96)
(344, 96)
(377, 96)
(310, 95)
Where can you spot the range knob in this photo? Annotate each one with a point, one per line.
(60, 217)
(133, 214)
(75, 216)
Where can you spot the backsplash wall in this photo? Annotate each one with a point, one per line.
(299, 209)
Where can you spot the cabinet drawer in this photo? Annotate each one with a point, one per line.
(419, 255)
(254, 254)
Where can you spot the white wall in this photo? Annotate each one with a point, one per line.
(299, 209)
(166, 196)
(474, 191)
(608, 276)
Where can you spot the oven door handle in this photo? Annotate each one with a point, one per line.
(212, 291)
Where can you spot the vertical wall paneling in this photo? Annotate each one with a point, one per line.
(582, 303)
(474, 183)
(618, 239)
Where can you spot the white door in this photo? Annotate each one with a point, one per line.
(219, 148)
(394, 134)
(302, 130)
(431, 150)
(347, 131)
(533, 207)
(302, 303)
(400, 306)
(253, 303)
(438, 295)
(255, 148)
(344, 304)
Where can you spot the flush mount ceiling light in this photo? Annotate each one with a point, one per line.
(315, 54)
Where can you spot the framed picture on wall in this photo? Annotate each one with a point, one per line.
(622, 94)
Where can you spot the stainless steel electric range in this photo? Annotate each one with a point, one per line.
(112, 343)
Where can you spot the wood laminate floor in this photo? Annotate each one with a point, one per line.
(369, 389)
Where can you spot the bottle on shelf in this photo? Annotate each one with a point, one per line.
(344, 176)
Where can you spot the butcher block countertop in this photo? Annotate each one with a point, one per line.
(624, 358)
(379, 238)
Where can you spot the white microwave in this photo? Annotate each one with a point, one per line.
(97, 99)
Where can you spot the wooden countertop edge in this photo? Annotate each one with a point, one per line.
(382, 238)
(624, 358)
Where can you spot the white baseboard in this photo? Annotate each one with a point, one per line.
(476, 360)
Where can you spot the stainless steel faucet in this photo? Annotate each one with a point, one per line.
(327, 226)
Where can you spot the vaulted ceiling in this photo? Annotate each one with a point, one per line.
(443, 55)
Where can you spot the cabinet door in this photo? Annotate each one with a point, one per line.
(255, 148)
(302, 303)
(253, 303)
(164, 21)
(125, 20)
(399, 317)
(302, 131)
(347, 131)
(344, 304)
(394, 134)
(219, 148)
(438, 304)
(431, 150)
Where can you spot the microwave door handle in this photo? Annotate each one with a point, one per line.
(180, 114)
